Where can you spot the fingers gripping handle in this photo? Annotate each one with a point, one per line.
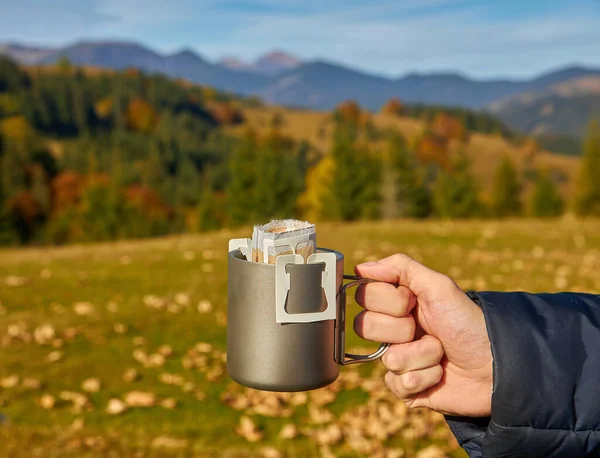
(340, 355)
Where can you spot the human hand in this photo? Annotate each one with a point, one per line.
(440, 356)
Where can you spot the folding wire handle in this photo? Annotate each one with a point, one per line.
(340, 355)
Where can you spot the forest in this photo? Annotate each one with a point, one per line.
(104, 155)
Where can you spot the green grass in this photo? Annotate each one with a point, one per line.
(115, 278)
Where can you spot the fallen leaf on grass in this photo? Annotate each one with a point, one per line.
(433, 451)
(204, 306)
(140, 399)
(169, 442)
(80, 401)
(168, 403)
(31, 383)
(182, 299)
(44, 334)
(91, 385)
(248, 430)
(53, 357)
(47, 401)
(15, 280)
(10, 381)
(116, 407)
(165, 350)
(130, 375)
(154, 301)
(83, 308)
(289, 431)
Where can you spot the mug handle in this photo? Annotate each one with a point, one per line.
(340, 355)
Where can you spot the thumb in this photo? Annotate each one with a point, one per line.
(402, 270)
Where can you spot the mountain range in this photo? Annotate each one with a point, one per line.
(563, 109)
(283, 79)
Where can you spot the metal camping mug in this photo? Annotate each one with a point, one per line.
(294, 341)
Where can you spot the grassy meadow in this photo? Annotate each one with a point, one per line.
(118, 349)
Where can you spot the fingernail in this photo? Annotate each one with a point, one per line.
(368, 264)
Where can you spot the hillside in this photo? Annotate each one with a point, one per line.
(485, 150)
(562, 110)
(92, 154)
(282, 79)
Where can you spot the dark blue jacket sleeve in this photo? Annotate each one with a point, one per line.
(546, 393)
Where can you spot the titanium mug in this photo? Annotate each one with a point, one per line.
(286, 321)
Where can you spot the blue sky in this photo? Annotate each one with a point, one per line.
(485, 38)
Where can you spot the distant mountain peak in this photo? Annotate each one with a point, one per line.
(29, 55)
(186, 54)
(234, 63)
(272, 63)
(279, 57)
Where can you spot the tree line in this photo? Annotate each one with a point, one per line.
(100, 156)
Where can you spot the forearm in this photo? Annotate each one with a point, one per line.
(546, 351)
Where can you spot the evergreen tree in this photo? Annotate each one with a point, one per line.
(241, 202)
(153, 173)
(587, 198)
(64, 64)
(412, 194)
(455, 193)
(355, 190)
(102, 212)
(506, 194)
(40, 190)
(545, 202)
(7, 233)
(187, 184)
(12, 78)
(13, 178)
(208, 208)
(280, 177)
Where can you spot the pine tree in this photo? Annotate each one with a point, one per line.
(208, 208)
(545, 201)
(101, 215)
(455, 193)
(40, 190)
(356, 186)
(7, 233)
(241, 200)
(187, 184)
(280, 170)
(412, 195)
(587, 199)
(506, 194)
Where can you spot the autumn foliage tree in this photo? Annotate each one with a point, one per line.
(448, 127)
(393, 107)
(431, 149)
(226, 113)
(140, 116)
(316, 199)
(348, 112)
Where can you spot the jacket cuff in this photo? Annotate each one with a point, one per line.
(469, 433)
(545, 369)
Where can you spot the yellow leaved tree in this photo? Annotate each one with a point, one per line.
(313, 201)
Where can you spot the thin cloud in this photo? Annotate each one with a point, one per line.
(389, 37)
